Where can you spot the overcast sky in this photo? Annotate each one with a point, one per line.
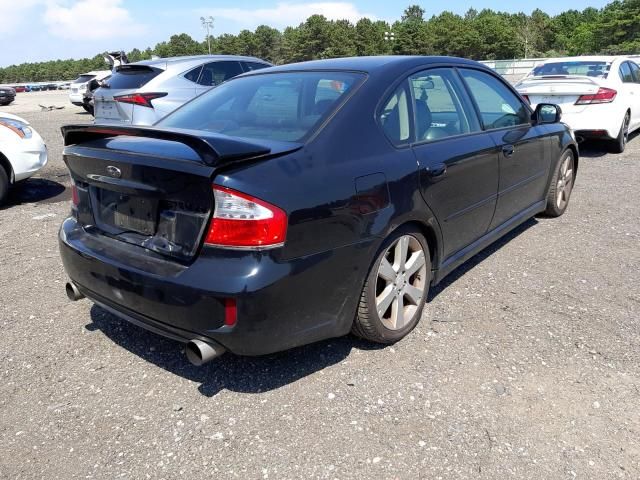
(34, 30)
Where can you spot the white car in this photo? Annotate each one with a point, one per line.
(599, 96)
(79, 86)
(22, 152)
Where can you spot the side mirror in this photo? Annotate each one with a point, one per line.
(547, 113)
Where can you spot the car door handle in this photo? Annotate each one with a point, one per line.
(508, 150)
(436, 170)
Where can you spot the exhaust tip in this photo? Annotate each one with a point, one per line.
(199, 352)
(72, 292)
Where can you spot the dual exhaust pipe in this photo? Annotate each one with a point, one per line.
(198, 352)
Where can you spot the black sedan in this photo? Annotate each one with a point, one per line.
(7, 95)
(305, 201)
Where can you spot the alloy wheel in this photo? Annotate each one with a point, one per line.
(401, 282)
(565, 182)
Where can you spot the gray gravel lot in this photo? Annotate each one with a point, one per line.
(530, 367)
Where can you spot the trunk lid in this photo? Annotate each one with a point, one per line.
(562, 90)
(151, 187)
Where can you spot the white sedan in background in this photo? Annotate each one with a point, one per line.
(599, 96)
(22, 152)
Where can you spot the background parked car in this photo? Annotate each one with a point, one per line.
(22, 152)
(142, 93)
(7, 95)
(79, 86)
(599, 96)
(20, 88)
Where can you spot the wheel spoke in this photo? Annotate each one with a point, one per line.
(400, 253)
(568, 176)
(414, 293)
(386, 270)
(415, 263)
(559, 194)
(397, 312)
(384, 300)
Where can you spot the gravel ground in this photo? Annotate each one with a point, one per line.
(528, 369)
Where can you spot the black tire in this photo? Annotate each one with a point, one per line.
(4, 185)
(369, 324)
(619, 144)
(555, 207)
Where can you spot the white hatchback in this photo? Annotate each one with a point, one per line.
(22, 152)
(599, 96)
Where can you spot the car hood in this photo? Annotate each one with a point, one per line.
(13, 117)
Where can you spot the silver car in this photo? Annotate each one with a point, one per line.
(142, 93)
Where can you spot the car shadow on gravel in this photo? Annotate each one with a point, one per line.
(479, 258)
(228, 372)
(37, 190)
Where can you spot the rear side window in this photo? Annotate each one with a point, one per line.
(215, 73)
(438, 106)
(499, 107)
(132, 76)
(193, 75)
(249, 66)
(394, 117)
(625, 73)
(283, 106)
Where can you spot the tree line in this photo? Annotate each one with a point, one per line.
(479, 35)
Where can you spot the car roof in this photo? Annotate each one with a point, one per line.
(194, 58)
(370, 64)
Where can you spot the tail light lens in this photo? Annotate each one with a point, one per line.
(142, 99)
(603, 95)
(242, 221)
(75, 197)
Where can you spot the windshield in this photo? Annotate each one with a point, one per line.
(279, 106)
(83, 78)
(596, 68)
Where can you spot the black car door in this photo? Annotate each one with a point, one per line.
(457, 160)
(524, 164)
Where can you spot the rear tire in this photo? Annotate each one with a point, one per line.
(561, 184)
(4, 185)
(394, 294)
(618, 145)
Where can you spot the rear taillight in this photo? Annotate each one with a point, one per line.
(242, 221)
(526, 99)
(603, 95)
(142, 99)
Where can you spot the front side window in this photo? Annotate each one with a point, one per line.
(281, 106)
(438, 106)
(499, 107)
(215, 73)
(635, 71)
(394, 117)
(625, 73)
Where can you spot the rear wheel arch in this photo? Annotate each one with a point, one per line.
(430, 234)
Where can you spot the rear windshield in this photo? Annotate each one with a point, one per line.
(585, 68)
(83, 78)
(282, 106)
(130, 76)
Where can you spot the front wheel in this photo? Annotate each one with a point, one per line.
(396, 288)
(4, 185)
(561, 185)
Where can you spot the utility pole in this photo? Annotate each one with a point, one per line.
(208, 24)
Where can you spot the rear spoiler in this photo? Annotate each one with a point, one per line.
(213, 149)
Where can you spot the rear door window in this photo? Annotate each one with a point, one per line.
(132, 76)
(438, 106)
(215, 73)
(625, 73)
(499, 107)
(194, 74)
(250, 66)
